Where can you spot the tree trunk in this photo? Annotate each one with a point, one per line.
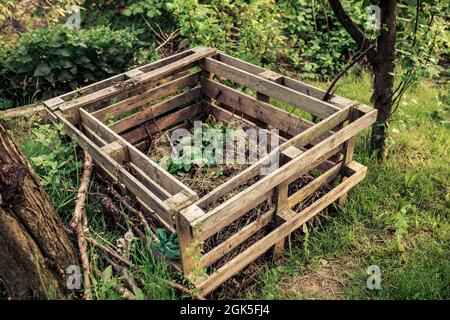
(383, 69)
(34, 248)
(382, 60)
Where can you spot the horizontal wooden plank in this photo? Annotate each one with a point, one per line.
(121, 77)
(298, 141)
(111, 166)
(156, 110)
(70, 106)
(294, 84)
(151, 168)
(278, 118)
(261, 246)
(230, 210)
(148, 96)
(163, 123)
(269, 88)
(149, 183)
(314, 185)
(237, 239)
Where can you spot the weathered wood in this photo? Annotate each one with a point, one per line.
(190, 248)
(70, 108)
(25, 113)
(286, 81)
(267, 113)
(298, 141)
(146, 97)
(281, 205)
(230, 210)
(156, 110)
(261, 246)
(161, 176)
(349, 148)
(116, 151)
(313, 186)
(151, 184)
(123, 176)
(163, 123)
(53, 103)
(306, 147)
(309, 104)
(237, 239)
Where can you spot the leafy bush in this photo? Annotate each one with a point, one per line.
(51, 158)
(249, 29)
(49, 62)
(319, 46)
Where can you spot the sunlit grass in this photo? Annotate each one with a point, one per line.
(397, 218)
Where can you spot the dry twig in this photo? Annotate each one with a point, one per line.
(79, 224)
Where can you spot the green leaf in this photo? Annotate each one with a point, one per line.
(107, 273)
(42, 69)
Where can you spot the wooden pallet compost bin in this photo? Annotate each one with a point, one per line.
(196, 83)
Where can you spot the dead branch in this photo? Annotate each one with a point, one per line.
(117, 196)
(79, 224)
(123, 271)
(116, 255)
(355, 59)
(183, 289)
(113, 253)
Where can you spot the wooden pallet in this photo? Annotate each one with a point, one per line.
(165, 94)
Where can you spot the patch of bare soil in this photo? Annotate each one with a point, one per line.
(327, 282)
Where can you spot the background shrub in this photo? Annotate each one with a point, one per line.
(49, 62)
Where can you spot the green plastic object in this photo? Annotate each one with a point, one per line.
(168, 245)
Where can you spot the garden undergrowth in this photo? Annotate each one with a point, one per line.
(397, 218)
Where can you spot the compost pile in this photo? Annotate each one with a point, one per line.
(203, 179)
(196, 172)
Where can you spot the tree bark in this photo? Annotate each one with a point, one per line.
(382, 60)
(34, 248)
(383, 69)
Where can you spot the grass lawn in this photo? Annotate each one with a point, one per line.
(396, 219)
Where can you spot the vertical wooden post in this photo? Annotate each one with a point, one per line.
(281, 204)
(349, 148)
(272, 76)
(190, 250)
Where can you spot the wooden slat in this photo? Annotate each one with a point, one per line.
(278, 118)
(156, 172)
(262, 245)
(156, 110)
(149, 183)
(289, 82)
(111, 166)
(298, 141)
(147, 97)
(93, 136)
(190, 249)
(228, 117)
(162, 123)
(121, 77)
(70, 107)
(314, 185)
(230, 210)
(235, 240)
(272, 89)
